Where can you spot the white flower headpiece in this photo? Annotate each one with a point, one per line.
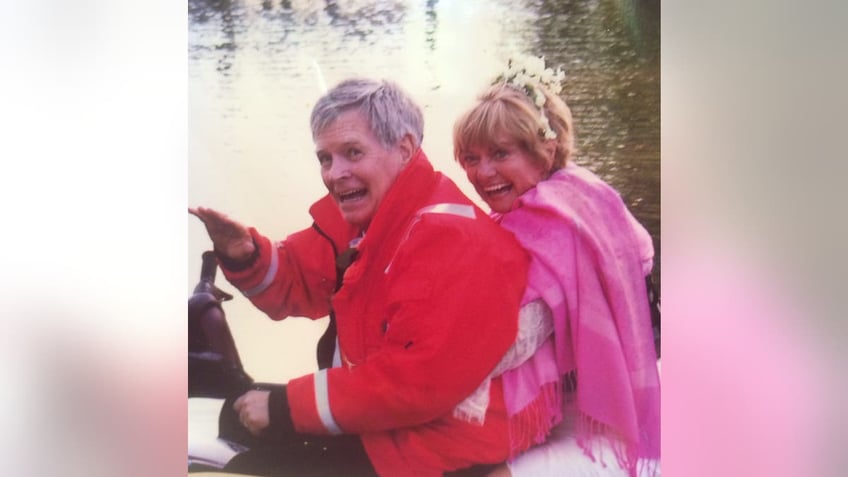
(525, 71)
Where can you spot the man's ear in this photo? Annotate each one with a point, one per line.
(408, 145)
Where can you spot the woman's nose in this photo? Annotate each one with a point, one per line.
(485, 168)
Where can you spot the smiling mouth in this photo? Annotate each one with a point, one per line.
(497, 189)
(352, 195)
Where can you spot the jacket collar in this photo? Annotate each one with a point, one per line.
(413, 186)
(328, 219)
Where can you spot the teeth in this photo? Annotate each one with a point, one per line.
(353, 194)
(496, 188)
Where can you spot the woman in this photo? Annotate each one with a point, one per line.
(595, 374)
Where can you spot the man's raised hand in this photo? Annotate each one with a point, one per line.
(230, 238)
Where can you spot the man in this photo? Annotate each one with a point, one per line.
(425, 311)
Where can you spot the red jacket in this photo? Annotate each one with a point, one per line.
(424, 314)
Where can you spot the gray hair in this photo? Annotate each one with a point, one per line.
(390, 112)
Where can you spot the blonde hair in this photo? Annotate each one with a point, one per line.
(504, 110)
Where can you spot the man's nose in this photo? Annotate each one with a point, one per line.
(339, 169)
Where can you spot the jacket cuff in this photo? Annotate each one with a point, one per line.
(278, 411)
(239, 265)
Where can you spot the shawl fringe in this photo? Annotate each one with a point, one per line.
(532, 425)
(593, 434)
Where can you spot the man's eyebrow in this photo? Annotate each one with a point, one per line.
(344, 144)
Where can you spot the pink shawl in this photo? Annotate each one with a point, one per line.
(590, 257)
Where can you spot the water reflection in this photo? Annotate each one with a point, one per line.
(432, 23)
(256, 68)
